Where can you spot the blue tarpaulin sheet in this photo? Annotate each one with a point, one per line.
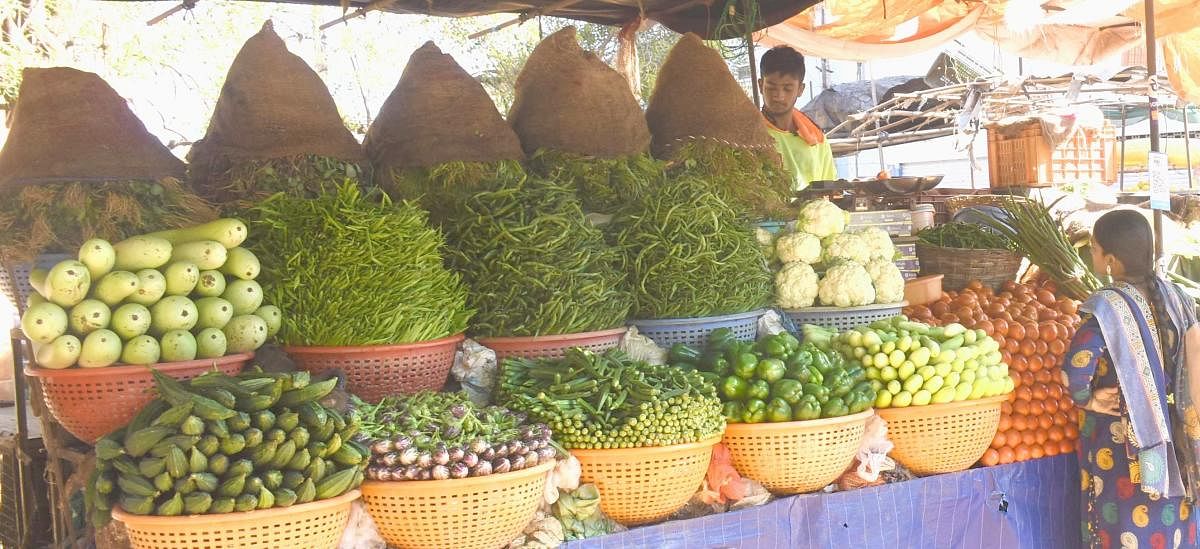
(1034, 504)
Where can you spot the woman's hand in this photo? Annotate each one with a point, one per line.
(1105, 401)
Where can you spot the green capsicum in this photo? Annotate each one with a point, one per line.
(681, 352)
(790, 342)
(839, 382)
(754, 411)
(746, 365)
(778, 411)
(770, 370)
(858, 401)
(820, 392)
(799, 372)
(789, 390)
(759, 389)
(772, 346)
(807, 408)
(835, 407)
(822, 362)
(734, 388)
(733, 412)
(720, 339)
(721, 367)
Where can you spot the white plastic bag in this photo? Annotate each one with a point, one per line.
(475, 369)
(361, 532)
(640, 347)
(770, 324)
(873, 451)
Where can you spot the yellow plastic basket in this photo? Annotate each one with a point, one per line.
(316, 525)
(942, 438)
(796, 456)
(644, 485)
(470, 513)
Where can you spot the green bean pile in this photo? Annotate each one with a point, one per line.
(964, 235)
(743, 178)
(689, 254)
(1039, 237)
(246, 184)
(602, 184)
(352, 269)
(611, 401)
(534, 264)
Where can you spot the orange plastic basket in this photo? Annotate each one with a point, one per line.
(316, 525)
(93, 402)
(554, 346)
(644, 485)
(376, 371)
(470, 513)
(942, 438)
(796, 456)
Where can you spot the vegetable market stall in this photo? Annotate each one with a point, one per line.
(1029, 504)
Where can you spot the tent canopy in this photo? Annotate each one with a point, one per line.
(702, 17)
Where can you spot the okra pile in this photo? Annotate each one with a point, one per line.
(220, 444)
(438, 436)
(594, 401)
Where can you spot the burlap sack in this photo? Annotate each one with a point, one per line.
(436, 114)
(70, 125)
(696, 98)
(568, 99)
(273, 105)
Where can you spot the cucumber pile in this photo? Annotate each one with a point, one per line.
(221, 444)
(162, 297)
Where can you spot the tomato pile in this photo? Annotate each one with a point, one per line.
(1034, 328)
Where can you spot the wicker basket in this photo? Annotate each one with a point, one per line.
(552, 346)
(796, 456)
(92, 402)
(316, 525)
(694, 331)
(844, 318)
(942, 438)
(962, 265)
(479, 512)
(644, 485)
(376, 371)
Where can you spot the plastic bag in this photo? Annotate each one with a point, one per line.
(770, 323)
(543, 532)
(361, 532)
(475, 369)
(580, 515)
(564, 476)
(722, 483)
(640, 347)
(872, 459)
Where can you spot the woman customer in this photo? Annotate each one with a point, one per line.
(1134, 368)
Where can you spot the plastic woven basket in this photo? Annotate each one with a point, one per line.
(942, 438)
(644, 485)
(92, 402)
(694, 331)
(960, 265)
(844, 318)
(552, 346)
(796, 456)
(376, 371)
(316, 525)
(470, 513)
(14, 278)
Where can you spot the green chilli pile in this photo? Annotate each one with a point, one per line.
(741, 177)
(689, 254)
(249, 183)
(602, 184)
(355, 269)
(59, 217)
(534, 264)
(593, 401)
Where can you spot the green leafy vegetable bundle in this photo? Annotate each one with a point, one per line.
(612, 401)
(603, 184)
(689, 254)
(1040, 237)
(964, 235)
(352, 269)
(751, 181)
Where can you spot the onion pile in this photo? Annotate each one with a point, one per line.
(1034, 327)
(440, 436)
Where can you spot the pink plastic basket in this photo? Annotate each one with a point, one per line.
(376, 371)
(554, 346)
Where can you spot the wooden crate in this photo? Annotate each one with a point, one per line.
(1020, 156)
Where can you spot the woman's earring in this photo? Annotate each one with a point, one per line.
(1108, 273)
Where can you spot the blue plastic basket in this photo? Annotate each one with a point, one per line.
(842, 319)
(694, 331)
(773, 227)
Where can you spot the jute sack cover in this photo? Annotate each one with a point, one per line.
(69, 125)
(438, 113)
(568, 99)
(697, 99)
(273, 105)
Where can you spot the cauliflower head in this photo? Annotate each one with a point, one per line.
(795, 286)
(822, 218)
(846, 285)
(879, 243)
(888, 281)
(798, 246)
(846, 247)
(766, 242)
